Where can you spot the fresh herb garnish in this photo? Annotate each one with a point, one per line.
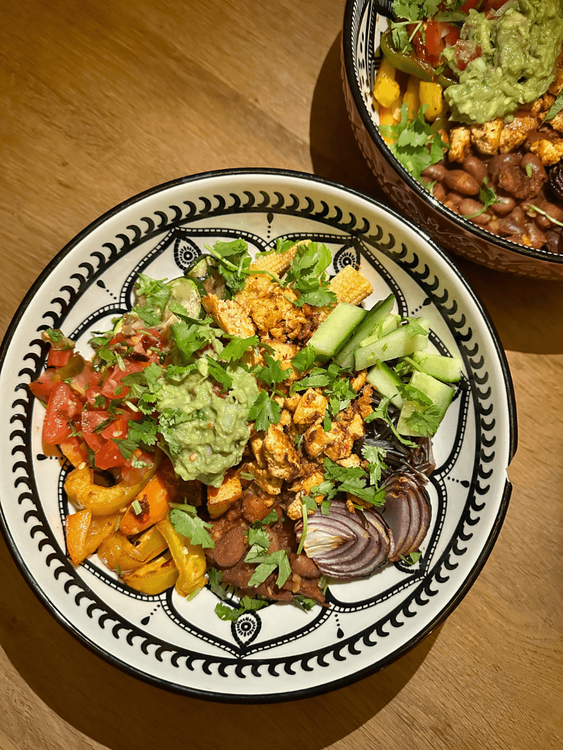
(185, 520)
(425, 421)
(414, 144)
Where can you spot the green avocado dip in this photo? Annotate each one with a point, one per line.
(208, 429)
(519, 49)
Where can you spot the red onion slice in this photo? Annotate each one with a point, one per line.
(346, 545)
(407, 512)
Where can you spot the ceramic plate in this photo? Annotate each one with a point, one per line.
(279, 652)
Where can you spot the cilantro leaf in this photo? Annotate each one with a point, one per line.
(219, 374)
(189, 338)
(414, 144)
(185, 520)
(382, 412)
(272, 372)
(153, 295)
(224, 612)
(305, 359)
(307, 275)
(267, 564)
(375, 456)
(426, 421)
(264, 412)
(237, 347)
(556, 108)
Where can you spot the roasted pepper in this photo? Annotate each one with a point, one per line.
(101, 501)
(152, 507)
(408, 63)
(189, 558)
(154, 577)
(117, 552)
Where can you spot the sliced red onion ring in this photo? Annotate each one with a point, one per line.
(407, 512)
(346, 545)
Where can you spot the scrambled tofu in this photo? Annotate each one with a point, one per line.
(550, 152)
(486, 137)
(271, 310)
(515, 133)
(229, 316)
(280, 455)
(460, 143)
(310, 408)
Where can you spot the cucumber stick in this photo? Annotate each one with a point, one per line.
(332, 333)
(345, 357)
(399, 343)
(439, 394)
(382, 328)
(446, 369)
(387, 382)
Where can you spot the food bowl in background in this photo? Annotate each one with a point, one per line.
(362, 30)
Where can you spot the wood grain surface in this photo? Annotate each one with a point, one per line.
(101, 99)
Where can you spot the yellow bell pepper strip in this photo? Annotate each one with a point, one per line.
(76, 530)
(412, 97)
(99, 530)
(154, 577)
(118, 552)
(189, 558)
(431, 95)
(101, 501)
(386, 90)
(150, 506)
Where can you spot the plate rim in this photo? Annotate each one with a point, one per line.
(326, 686)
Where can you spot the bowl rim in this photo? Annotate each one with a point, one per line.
(484, 554)
(417, 188)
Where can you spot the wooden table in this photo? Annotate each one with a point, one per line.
(102, 99)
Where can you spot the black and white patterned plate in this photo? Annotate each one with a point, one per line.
(279, 652)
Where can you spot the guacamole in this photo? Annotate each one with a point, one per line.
(519, 51)
(208, 429)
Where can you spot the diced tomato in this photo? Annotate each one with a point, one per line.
(465, 52)
(469, 5)
(42, 387)
(91, 420)
(63, 405)
(113, 388)
(431, 42)
(95, 398)
(109, 456)
(85, 379)
(58, 357)
(117, 429)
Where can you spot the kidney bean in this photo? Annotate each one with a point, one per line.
(435, 172)
(475, 167)
(469, 207)
(513, 223)
(537, 237)
(554, 241)
(503, 205)
(439, 191)
(536, 165)
(500, 162)
(452, 201)
(461, 182)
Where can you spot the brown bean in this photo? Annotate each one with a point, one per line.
(475, 167)
(452, 201)
(469, 208)
(461, 182)
(439, 191)
(230, 547)
(435, 172)
(513, 223)
(535, 164)
(536, 236)
(503, 205)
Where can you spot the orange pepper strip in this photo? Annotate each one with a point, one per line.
(153, 499)
(76, 528)
(154, 577)
(189, 558)
(100, 528)
(75, 450)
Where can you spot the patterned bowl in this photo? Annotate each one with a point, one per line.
(279, 652)
(362, 30)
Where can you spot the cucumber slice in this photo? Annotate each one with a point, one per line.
(185, 292)
(398, 343)
(446, 369)
(333, 332)
(204, 270)
(345, 357)
(382, 328)
(439, 394)
(387, 382)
